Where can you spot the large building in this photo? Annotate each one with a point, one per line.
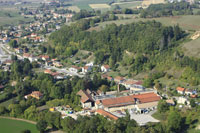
(139, 102)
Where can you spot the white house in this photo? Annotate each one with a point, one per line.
(188, 92)
(86, 69)
(180, 90)
(74, 69)
(105, 68)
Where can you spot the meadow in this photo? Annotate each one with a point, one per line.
(15, 126)
(186, 22)
(11, 17)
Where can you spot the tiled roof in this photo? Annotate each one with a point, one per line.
(118, 101)
(119, 78)
(84, 96)
(180, 89)
(106, 114)
(129, 100)
(106, 66)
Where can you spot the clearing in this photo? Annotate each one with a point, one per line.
(99, 6)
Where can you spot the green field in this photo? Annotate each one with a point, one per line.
(192, 48)
(12, 17)
(130, 5)
(187, 22)
(15, 126)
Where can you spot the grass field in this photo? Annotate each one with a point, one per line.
(99, 6)
(15, 126)
(74, 8)
(192, 48)
(11, 17)
(130, 5)
(187, 22)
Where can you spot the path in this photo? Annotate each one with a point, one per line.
(19, 119)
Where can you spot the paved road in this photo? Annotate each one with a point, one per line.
(3, 55)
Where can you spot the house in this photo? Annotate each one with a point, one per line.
(19, 50)
(33, 35)
(86, 69)
(74, 69)
(28, 56)
(5, 40)
(170, 102)
(106, 114)
(48, 71)
(57, 64)
(35, 94)
(133, 85)
(136, 87)
(118, 79)
(139, 102)
(7, 62)
(180, 90)
(45, 57)
(182, 100)
(105, 68)
(105, 76)
(188, 92)
(86, 99)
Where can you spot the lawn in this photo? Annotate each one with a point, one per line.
(15, 126)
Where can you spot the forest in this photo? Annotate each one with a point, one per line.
(170, 9)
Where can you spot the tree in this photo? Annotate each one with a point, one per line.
(3, 110)
(26, 131)
(174, 121)
(148, 82)
(31, 113)
(68, 124)
(192, 103)
(41, 125)
(162, 106)
(13, 43)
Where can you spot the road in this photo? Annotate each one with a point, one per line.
(3, 55)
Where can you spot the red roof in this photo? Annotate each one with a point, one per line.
(129, 100)
(76, 67)
(180, 89)
(118, 101)
(119, 78)
(107, 66)
(106, 114)
(84, 96)
(48, 71)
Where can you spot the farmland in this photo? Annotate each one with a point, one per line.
(11, 17)
(15, 126)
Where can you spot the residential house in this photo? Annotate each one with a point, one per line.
(28, 56)
(170, 102)
(86, 99)
(19, 50)
(74, 69)
(35, 94)
(105, 76)
(45, 57)
(180, 90)
(118, 79)
(188, 92)
(48, 71)
(105, 68)
(57, 64)
(86, 69)
(5, 40)
(7, 62)
(182, 100)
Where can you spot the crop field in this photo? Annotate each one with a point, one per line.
(130, 5)
(74, 8)
(99, 6)
(146, 3)
(15, 126)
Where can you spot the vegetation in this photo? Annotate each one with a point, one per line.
(16, 126)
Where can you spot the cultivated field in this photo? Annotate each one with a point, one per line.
(99, 6)
(130, 5)
(146, 3)
(74, 8)
(15, 126)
